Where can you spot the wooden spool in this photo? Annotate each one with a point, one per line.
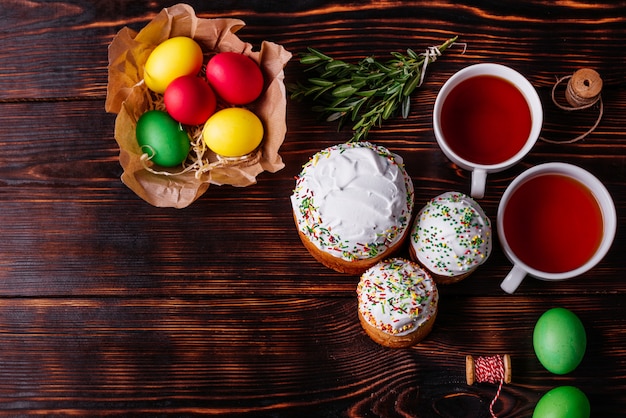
(470, 369)
(583, 88)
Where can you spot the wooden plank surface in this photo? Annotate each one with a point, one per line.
(109, 306)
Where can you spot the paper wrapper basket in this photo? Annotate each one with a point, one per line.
(129, 98)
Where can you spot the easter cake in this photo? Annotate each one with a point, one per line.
(451, 237)
(352, 205)
(397, 303)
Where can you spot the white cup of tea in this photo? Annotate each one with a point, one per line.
(486, 118)
(555, 221)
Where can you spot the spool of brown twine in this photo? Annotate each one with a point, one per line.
(583, 90)
(489, 369)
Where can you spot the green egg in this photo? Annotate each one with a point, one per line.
(559, 340)
(563, 402)
(162, 138)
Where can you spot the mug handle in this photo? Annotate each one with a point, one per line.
(479, 179)
(512, 280)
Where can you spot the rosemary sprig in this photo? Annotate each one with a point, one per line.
(365, 93)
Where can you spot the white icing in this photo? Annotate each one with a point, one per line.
(397, 296)
(451, 235)
(353, 200)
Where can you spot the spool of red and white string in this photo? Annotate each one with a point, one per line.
(489, 369)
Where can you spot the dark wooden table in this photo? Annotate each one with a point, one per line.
(111, 306)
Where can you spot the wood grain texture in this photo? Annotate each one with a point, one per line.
(168, 355)
(109, 306)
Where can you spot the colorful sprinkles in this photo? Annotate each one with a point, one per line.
(397, 296)
(451, 234)
(309, 195)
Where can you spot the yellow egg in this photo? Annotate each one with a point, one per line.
(171, 59)
(233, 132)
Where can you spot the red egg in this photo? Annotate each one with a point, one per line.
(189, 100)
(235, 77)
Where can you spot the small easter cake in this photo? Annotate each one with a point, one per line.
(397, 303)
(352, 205)
(451, 237)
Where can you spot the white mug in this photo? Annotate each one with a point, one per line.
(609, 224)
(480, 170)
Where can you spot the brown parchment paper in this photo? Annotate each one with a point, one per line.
(129, 98)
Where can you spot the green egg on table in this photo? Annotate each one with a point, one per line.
(563, 402)
(559, 340)
(162, 138)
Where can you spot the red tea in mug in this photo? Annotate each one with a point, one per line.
(485, 120)
(553, 223)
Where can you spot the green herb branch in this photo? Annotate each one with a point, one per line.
(365, 93)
